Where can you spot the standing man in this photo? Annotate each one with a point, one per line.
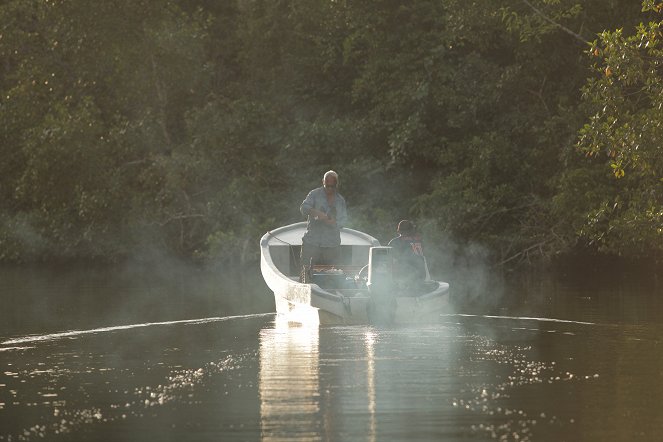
(327, 213)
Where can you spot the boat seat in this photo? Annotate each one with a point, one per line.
(331, 276)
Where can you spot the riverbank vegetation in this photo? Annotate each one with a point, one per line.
(527, 128)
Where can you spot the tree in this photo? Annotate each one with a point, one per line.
(623, 141)
(192, 127)
(93, 106)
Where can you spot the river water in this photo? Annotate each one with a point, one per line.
(555, 360)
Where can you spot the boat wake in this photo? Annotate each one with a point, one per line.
(77, 333)
(520, 318)
(15, 348)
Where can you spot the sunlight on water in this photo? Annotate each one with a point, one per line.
(301, 314)
(523, 371)
(468, 377)
(55, 378)
(288, 382)
(370, 338)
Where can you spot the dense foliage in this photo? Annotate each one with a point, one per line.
(191, 127)
(624, 212)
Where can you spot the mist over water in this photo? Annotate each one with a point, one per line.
(54, 298)
(475, 285)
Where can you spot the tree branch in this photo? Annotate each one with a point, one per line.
(550, 20)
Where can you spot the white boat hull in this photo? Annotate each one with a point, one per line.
(310, 303)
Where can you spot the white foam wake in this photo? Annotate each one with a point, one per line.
(76, 333)
(525, 318)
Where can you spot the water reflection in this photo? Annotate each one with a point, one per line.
(289, 383)
(468, 377)
(304, 396)
(370, 338)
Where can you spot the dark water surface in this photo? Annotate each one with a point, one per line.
(554, 361)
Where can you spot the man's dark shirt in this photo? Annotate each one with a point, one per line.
(408, 257)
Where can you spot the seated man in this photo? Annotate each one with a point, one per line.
(408, 254)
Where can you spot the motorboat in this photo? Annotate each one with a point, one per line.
(359, 290)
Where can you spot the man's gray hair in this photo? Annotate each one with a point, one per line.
(330, 173)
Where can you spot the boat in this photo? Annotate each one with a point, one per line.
(360, 290)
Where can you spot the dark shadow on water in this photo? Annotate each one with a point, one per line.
(602, 291)
(47, 298)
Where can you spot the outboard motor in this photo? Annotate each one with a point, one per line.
(379, 269)
(380, 284)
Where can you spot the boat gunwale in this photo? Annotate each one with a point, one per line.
(301, 226)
